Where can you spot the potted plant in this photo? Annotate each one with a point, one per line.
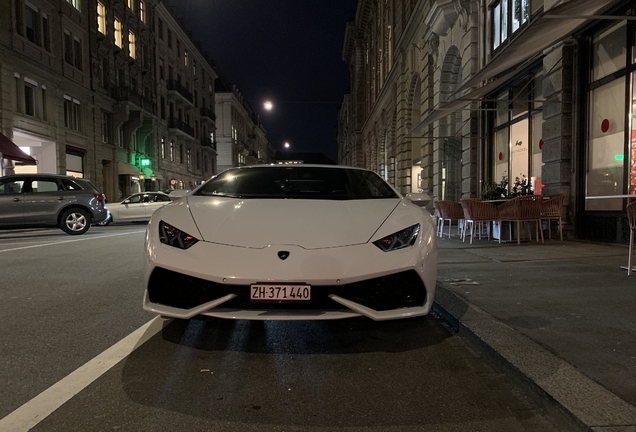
(495, 191)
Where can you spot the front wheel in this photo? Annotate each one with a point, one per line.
(75, 221)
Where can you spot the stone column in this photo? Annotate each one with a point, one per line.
(557, 121)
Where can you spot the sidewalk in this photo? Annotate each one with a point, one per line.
(561, 316)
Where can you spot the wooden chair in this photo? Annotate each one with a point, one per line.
(476, 211)
(631, 216)
(452, 211)
(552, 208)
(525, 208)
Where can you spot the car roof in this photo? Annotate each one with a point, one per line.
(44, 175)
(297, 165)
(340, 167)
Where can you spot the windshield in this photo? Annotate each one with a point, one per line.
(299, 183)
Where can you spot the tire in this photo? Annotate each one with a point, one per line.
(75, 221)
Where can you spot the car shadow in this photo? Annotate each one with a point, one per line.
(346, 336)
(308, 373)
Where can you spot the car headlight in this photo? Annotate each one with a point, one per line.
(175, 237)
(399, 240)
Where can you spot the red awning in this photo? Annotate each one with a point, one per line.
(8, 150)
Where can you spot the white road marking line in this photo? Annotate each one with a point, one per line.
(69, 241)
(44, 404)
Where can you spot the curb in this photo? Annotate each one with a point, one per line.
(568, 395)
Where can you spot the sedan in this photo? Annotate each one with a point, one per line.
(307, 242)
(137, 207)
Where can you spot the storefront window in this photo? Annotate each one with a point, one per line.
(519, 150)
(632, 142)
(611, 153)
(501, 155)
(517, 134)
(609, 49)
(606, 144)
(74, 164)
(537, 153)
(502, 109)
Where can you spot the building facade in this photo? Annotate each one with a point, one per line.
(241, 137)
(451, 96)
(115, 91)
(187, 123)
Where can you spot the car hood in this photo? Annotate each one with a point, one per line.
(311, 224)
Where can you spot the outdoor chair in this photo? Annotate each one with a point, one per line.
(525, 208)
(440, 217)
(452, 211)
(631, 216)
(476, 211)
(552, 208)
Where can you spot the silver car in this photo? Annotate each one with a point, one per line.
(137, 207)
(41, 200)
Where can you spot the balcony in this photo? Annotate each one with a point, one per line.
(179, 126)
(206, 112)
(176, 90)
(205, 142)
(125, 94)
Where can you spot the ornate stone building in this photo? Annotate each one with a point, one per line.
(241, 137)
(115, 91)
(448, 96)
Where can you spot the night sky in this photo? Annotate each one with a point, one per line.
(286, 51)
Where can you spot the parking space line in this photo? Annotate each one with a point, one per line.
(41, 406)
(70, 241)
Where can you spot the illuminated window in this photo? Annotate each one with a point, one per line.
(132, 49)
(118, 34)
(131, 5)
(101, 18)
(185, 58)
(508, 16)
(142, 11)
(74, 3)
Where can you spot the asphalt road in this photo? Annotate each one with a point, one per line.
(78, 353)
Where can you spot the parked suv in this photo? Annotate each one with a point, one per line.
(40, 200)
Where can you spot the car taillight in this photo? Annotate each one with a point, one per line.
(100, 197)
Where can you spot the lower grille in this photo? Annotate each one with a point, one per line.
(394, 291)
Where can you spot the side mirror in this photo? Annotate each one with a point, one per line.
(126, 202)
(419, 199)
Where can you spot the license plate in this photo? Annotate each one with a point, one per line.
(280, 293)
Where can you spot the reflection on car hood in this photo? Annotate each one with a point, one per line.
(311, 224)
